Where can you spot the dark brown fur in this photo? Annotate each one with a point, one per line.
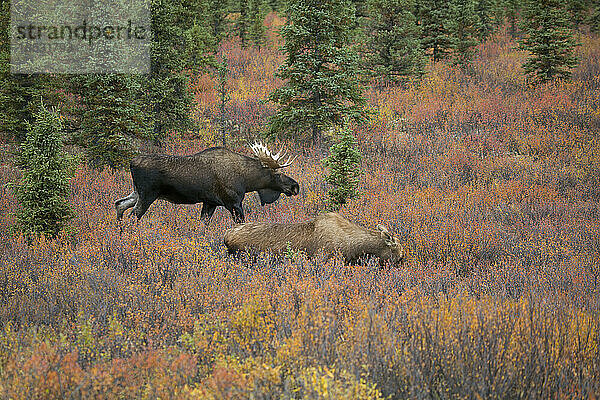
(327, 232)
(215, 177)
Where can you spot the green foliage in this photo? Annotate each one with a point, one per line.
(361, 12)
(179, 43)
(276, 5)
(215, 14)
(241, 25)
(344, 168)
(464, 25)
(319, 71)
(594, 18)
(168, 98)
(256, 25)
(577, 10)
(393, 46)
(549, 39)
(450, 28)
(19, 92)
(435, 19)
(223, 95)
(13, 103)
(487, 12)
(250, 24)
(200, 47)
(512, 9)
(112, 116)
(44, 186)
(16, 95)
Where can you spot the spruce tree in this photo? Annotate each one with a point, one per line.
(344, 168)
(44, 186)
(167, 95)
(594, 18)
(275, 5)
(19, 92)
(549, 39)
(578, 10)
(256, 22)
(361, 11)
(223, 96)
(435, 19)
(464, 25)
(215, 12)
(392, 48)
(320, 69)
(512, 9)
(175, 24)
(112, 117)
(200, 47)
(486, 11)
(241, 24)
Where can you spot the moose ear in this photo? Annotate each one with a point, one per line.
(386, 235)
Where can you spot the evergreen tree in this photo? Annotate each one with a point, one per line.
(256, 22)
(549, 39)
(44, 186)
(435, 19)
(13, 97)
(223, 96)
(512, 9)
(344, 168)
(577, 9)
(276, 5)
(241, 25)
(487, 13)
(200, 47)
(464, 24)
(361, 8)
(168, 97)
(19, 92)
(215, 13)
(594, 19)
(112, 116)
(320, 69)
(361, 11)
(393, 45)
(177, 34)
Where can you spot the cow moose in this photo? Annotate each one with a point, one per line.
(216, 177)
(327, 232)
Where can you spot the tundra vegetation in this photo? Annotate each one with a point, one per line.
(492, 186)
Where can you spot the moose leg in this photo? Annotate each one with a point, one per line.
(125, 203)
(141, 206)
(237, 212)
(207, 212)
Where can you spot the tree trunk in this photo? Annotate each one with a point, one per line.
(316, 130)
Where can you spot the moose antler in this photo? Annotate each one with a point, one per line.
(268, 159)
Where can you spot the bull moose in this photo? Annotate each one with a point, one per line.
(216, 177)
(327, 232)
